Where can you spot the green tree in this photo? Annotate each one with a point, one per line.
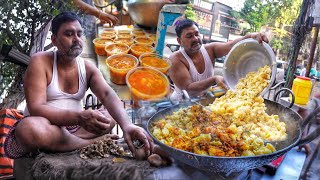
(190, 14)
(278, 15)
(285, 15)
(20, 25)
(270, 12)
(256, 13)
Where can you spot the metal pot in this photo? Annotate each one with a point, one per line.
(248, 56)
(228, 165)
(146, 12)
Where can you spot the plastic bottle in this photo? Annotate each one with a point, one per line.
(301, 89)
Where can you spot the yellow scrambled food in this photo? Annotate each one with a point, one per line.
(237, 125)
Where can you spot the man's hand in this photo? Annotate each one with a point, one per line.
(132, 133)
(259, 37)
(94, 121)
(220, 82)
(108, 18)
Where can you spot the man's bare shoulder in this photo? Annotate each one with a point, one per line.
(178, 60)
(176, 57)
(39, 68)
(41, 58)
(90, 66)
(211, 46)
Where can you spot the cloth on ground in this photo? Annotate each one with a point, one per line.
(70, 166)
(8, 117)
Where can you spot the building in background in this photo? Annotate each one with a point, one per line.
(214, 20)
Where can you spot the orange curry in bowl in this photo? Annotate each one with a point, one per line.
(124, 31)
(107, 35)
(100, 44)
(147, 84)
(138, 33)
(117, 48)
(138, 49)
(127, 41)
(124, 36)
(119, 65)
(144, 40)
(110, 31)
(155, 61)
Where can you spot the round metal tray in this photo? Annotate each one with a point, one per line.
(248, 56)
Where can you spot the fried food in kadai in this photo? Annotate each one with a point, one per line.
(237, 125)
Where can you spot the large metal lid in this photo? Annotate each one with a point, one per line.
(248, 56)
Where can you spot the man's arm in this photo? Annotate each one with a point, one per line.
(113, 104)
(106, 95)
(222, 49)
(181, 77)
(88, 9)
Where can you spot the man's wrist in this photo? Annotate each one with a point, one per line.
(125, 126)
(247, 36)
(99, 14)
(78, 118)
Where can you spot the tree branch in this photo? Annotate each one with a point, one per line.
(10, 35)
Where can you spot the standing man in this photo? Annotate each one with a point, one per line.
(91, 10)
(192, 66)
(55, 84)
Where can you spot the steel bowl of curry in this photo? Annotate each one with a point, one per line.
(117, 48)
(119, 65)
(156, 61)
(139, 49)
(147, 83)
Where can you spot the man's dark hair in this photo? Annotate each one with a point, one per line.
(183, 24)
(63, 18)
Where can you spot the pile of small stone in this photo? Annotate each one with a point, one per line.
(102, 149)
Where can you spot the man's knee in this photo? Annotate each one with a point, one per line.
(32, 132)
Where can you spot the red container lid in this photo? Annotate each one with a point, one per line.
(303, 78)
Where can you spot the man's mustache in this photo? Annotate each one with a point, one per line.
(76, 45)
(195, 43)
